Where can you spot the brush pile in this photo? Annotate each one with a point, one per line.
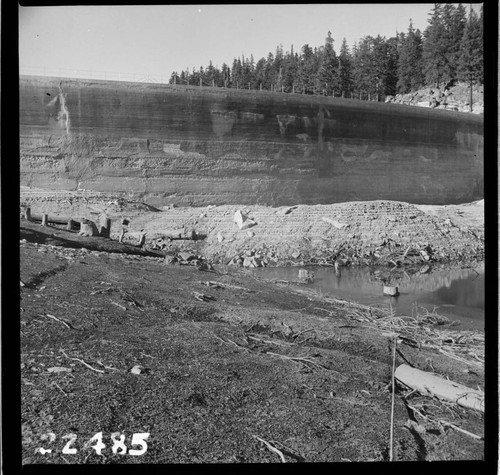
(424, 329)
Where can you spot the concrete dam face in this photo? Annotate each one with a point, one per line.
(199, 145)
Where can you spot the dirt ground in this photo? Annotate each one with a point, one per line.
(218, 365)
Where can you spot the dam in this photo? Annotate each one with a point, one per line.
(194, 146)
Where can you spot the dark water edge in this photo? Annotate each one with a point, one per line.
(456, 293)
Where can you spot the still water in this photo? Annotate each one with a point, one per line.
(455, 293)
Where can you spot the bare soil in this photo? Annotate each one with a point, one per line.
(224, 366)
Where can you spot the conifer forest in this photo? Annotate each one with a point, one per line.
(449, 50)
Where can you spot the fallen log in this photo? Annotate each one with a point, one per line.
(431, 385)
(172, 234)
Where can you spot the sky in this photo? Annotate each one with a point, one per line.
(156, 40)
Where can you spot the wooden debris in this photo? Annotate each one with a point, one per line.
(272, 342)
(211, 283)
(203, 297)
(67, 325)
(431, 385)
(459, 429)
(59, 387)
(81, 361)
(118, 305)
(300, 359)
(443, 423)
(100, 291)
(59, 369)
(271, 447)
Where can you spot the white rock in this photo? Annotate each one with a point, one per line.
(243, 221)
(335, 223)
(392, 291)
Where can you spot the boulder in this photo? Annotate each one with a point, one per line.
(256, 262)
(169, 260)
(243, 221)
(248, 262)
(186, 256)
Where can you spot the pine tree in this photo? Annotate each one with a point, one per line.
(410, 75)
(327, 75)
(364, 70)
(210, 74)
(391, 73)
(435, 49)
(291, 65)
(259, 73)
(236, 73)
(346, 82)
(182, 78)
(174, 78)
(456, 30)
(269, 77)
(471, 63)
(306, 73)
(226, 75)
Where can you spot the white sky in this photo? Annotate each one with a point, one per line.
(157, 40)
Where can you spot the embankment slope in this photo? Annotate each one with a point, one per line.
(197, 146)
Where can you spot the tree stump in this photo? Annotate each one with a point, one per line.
(27, 213)
(105, 227)
(88, 228)
(45, 219)
(71, 224)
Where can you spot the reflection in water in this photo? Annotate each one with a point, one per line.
(458, 293)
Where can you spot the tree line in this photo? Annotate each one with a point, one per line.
(450, 49)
